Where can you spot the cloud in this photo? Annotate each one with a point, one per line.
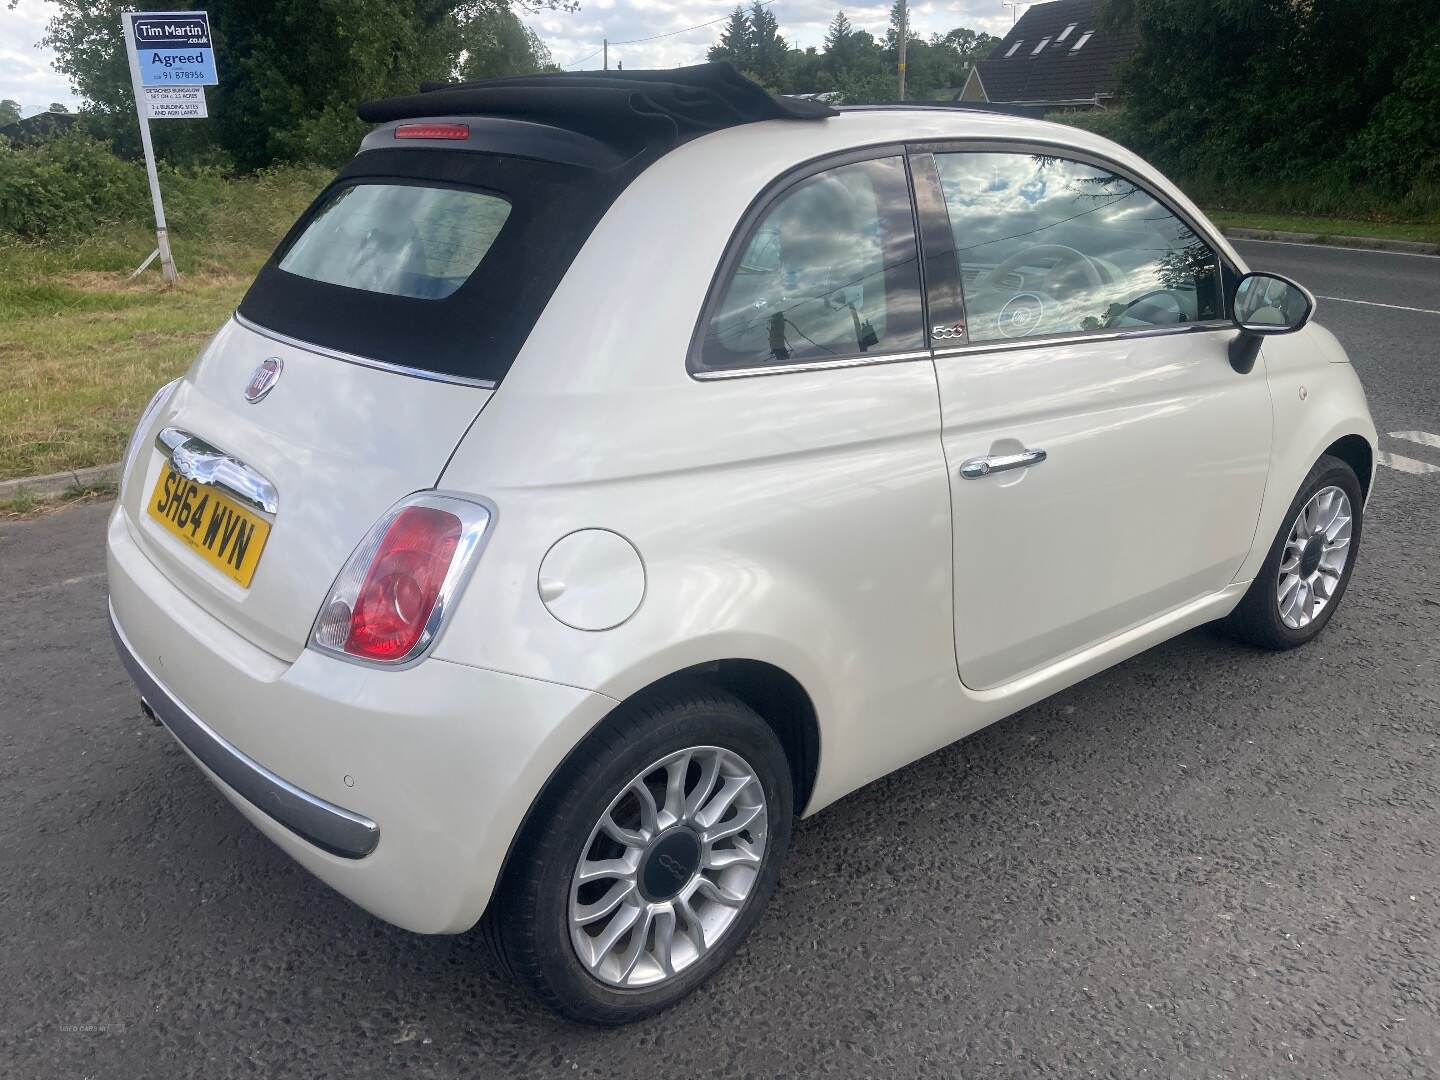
(25, 72)
(576, 39)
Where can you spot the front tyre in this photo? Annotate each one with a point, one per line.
(1298, 588)
(648, 859)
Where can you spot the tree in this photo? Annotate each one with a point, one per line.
(58, 107)
(734, 44)
(1322, 93)
(767, 47)
(9, 112)
(292, 71)
(495, 42)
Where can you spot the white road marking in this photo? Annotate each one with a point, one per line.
(1406, 464)
(1333, 247)
(1424, 438)
(1372, 303)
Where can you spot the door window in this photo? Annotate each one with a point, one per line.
(1049, 246)
(828, 272)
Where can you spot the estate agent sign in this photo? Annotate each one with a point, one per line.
(171, 59)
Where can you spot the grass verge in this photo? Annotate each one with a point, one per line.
(83, 347)
(1423, 232)
(28, 506)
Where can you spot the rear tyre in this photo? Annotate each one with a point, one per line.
(648, 859)
(1300, 585)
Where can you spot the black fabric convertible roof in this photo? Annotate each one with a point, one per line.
(625, 108)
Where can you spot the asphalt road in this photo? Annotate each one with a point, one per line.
(1205, 862)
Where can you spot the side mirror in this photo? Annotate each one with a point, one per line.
(1265, 304)
(1270, 304)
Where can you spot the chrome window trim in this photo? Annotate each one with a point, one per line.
(1080, 337)
(361, 361)
(814, 365)
(196, 460)
(328, 827)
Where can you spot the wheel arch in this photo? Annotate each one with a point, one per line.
(1356, 451)
(776, 695)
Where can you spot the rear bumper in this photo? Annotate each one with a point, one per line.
(402, 790)
(329, 827)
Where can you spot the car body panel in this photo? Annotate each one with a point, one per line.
(1157, 456)
(802, 520)
(445, 758)
(341, 442)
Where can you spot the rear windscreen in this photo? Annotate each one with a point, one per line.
(401, 239)
(440, 260)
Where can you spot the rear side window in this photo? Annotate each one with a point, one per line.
(401, 239)
(431, 259)
(829, 271)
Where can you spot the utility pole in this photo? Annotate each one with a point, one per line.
(606, 47)
(902, 49)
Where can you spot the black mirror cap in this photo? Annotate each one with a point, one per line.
(1295, 320)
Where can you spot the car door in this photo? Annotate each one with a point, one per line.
(1106, 462)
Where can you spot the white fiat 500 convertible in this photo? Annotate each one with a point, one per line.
(606, 470)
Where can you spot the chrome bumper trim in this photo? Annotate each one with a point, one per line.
(329, 827)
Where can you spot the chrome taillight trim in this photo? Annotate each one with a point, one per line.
(477, 519)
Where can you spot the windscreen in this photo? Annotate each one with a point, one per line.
(431, 259)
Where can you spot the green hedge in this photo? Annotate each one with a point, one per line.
(73, 186)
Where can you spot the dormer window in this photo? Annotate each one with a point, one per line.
(1013, 48)
(1080, 41)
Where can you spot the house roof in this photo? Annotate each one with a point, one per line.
(1059, 73)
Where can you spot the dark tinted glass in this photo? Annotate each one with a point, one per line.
(829, 272)
(1050, 246)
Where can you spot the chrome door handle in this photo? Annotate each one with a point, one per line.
(977, 467)
(195, 459)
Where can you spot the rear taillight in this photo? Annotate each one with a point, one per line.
(433, 131)
(390, 601)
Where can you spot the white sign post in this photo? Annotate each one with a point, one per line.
(171, 59)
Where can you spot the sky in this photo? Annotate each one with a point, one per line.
(574, 39)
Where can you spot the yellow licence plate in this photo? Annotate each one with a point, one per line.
(227, 536)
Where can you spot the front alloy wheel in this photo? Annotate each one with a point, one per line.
(648, 858)
(1309, 563)
(1316, 553)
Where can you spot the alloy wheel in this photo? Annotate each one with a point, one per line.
(1313, 561)
(668, 867)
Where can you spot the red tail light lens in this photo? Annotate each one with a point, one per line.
(403, 583)
(433, 131)
(389, 601)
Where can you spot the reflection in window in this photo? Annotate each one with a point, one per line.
(829, 272)
(399, 239)
(1043, 43)
(1013, 48)
(1080, 41)
(1064, 33)
(1050, 246)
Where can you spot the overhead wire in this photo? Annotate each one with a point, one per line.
(657, 37)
